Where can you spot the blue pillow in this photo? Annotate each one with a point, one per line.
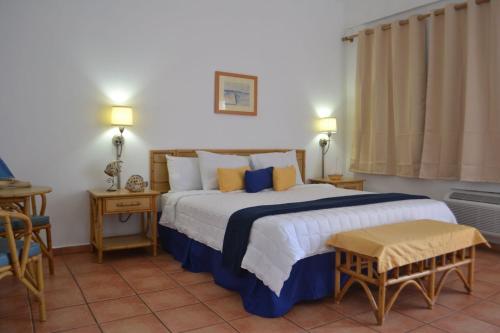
(258, 180)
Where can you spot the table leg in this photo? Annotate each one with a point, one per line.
(92, 223)
(99, 231)
(33, 206)
(154, 235)
(26, 206)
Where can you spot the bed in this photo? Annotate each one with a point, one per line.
(286, 260)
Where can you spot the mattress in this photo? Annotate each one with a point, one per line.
(278, 242)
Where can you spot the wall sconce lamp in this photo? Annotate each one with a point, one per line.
(121, 116)
(328, 126)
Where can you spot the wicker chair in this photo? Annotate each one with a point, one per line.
(21, 257)
(39, 222)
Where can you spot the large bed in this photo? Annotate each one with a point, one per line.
(286, 260)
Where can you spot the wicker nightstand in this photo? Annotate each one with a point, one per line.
(123, 202)
(347, 183)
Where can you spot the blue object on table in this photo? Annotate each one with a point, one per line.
(5, 173)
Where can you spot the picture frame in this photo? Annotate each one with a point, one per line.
(235, 94)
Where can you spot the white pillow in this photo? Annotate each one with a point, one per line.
(279, 160)
(210, 162)
(183, 173)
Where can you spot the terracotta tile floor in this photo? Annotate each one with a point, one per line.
(134, 292)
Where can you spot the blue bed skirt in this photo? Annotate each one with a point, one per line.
(311, 278)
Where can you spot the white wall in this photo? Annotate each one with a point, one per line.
(62, 63)
(432, 188)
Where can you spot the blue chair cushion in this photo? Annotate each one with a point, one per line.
(5, 252)
(36, 221)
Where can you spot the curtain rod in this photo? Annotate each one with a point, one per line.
(421, 17)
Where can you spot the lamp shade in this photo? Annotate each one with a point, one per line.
(122, 116)
(328, 125)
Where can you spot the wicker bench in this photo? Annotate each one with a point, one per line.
(403, 254)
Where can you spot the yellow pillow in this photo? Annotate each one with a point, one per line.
(283, 178)
(231, 179)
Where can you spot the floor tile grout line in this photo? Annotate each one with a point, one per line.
(432, 321)
(320, 325)
(218, 315)
(145, 304)
(104, 300)
(131, 317)
(130, 285)
(434, 325)
(293, 323)
(83, 295)
(45, 277)
(353, 317)
(477, 318)
(227, 321)
(117, 271)
(339, 319)
(199, 301)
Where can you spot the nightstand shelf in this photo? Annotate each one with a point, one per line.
(123, 202)
(125, 242)
(346, 183)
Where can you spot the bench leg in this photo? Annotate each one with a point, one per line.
(431, 283)
(337, 273)
(381, 298)
(470, 274)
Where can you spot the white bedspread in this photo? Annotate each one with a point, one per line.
(278, 242)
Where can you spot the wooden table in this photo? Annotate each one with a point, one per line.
(347, 183)
(25, 197)
(122, 201)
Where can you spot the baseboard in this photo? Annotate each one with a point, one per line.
(72, 249)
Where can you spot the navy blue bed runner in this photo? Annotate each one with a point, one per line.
(240, 223)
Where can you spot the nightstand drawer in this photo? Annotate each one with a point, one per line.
(346, 183)
(117, 205)
(351, 186)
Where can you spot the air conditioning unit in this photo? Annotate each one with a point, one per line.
(477, 209)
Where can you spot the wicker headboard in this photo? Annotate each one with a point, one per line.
(158, 162)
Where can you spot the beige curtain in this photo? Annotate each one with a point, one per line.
(462, 125)
(390, 100)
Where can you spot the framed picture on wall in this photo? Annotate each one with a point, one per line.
(235, 94)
